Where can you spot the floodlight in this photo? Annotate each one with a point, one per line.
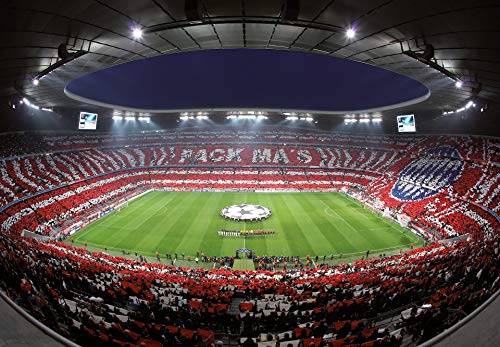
(459, 84)
(350, 33)
(35, 81)
(117, 117)
(137, 33)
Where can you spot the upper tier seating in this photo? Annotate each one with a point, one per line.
(443, 183)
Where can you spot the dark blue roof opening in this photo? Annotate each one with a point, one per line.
(247, 78)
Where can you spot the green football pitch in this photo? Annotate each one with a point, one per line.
(304, 223)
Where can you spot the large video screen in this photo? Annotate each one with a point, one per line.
(87, 121)
(406, 123)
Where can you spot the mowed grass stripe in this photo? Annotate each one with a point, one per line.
(323, 224)
(351, 240)
(369, 227)
(305, 223)
(277, 244)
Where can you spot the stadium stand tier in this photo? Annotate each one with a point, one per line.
(445, 188)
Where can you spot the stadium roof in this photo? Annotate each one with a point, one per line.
(465, 36)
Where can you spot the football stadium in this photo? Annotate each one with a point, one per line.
(254, 173)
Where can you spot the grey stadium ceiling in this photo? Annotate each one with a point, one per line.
(464, 33)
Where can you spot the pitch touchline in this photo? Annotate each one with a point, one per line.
(381, 228)
(381, 249)
(113, 226)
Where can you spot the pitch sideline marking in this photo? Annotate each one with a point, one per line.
(381, 228)
(116, 227)
(381, 249)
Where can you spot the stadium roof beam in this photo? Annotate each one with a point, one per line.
(426, 58)
(238, 19)
(65, 56)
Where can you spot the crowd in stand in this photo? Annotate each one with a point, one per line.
(99, 299)
(442, 183)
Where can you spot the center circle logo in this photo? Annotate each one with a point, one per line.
(245, 212)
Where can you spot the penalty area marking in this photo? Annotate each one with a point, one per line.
(328, 214)
(339, 216)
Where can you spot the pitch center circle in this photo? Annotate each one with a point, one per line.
(245, 212)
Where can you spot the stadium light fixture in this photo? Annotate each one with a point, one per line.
(201, 117)
(142, 118)
(261, 117)
(459, 84)
(350, 33)
(30, 104)
(117, 117)
(292, 118)
(364, 120)
(470, 104)
(232, 116)
(47, 109)
(129, 118)
(35, 81)
(137, 33)
(376, 120)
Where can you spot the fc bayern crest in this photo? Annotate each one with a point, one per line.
(428, 175)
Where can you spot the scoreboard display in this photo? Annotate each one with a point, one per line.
(406, 123)
(87, 121)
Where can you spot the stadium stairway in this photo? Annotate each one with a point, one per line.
(234, 308)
